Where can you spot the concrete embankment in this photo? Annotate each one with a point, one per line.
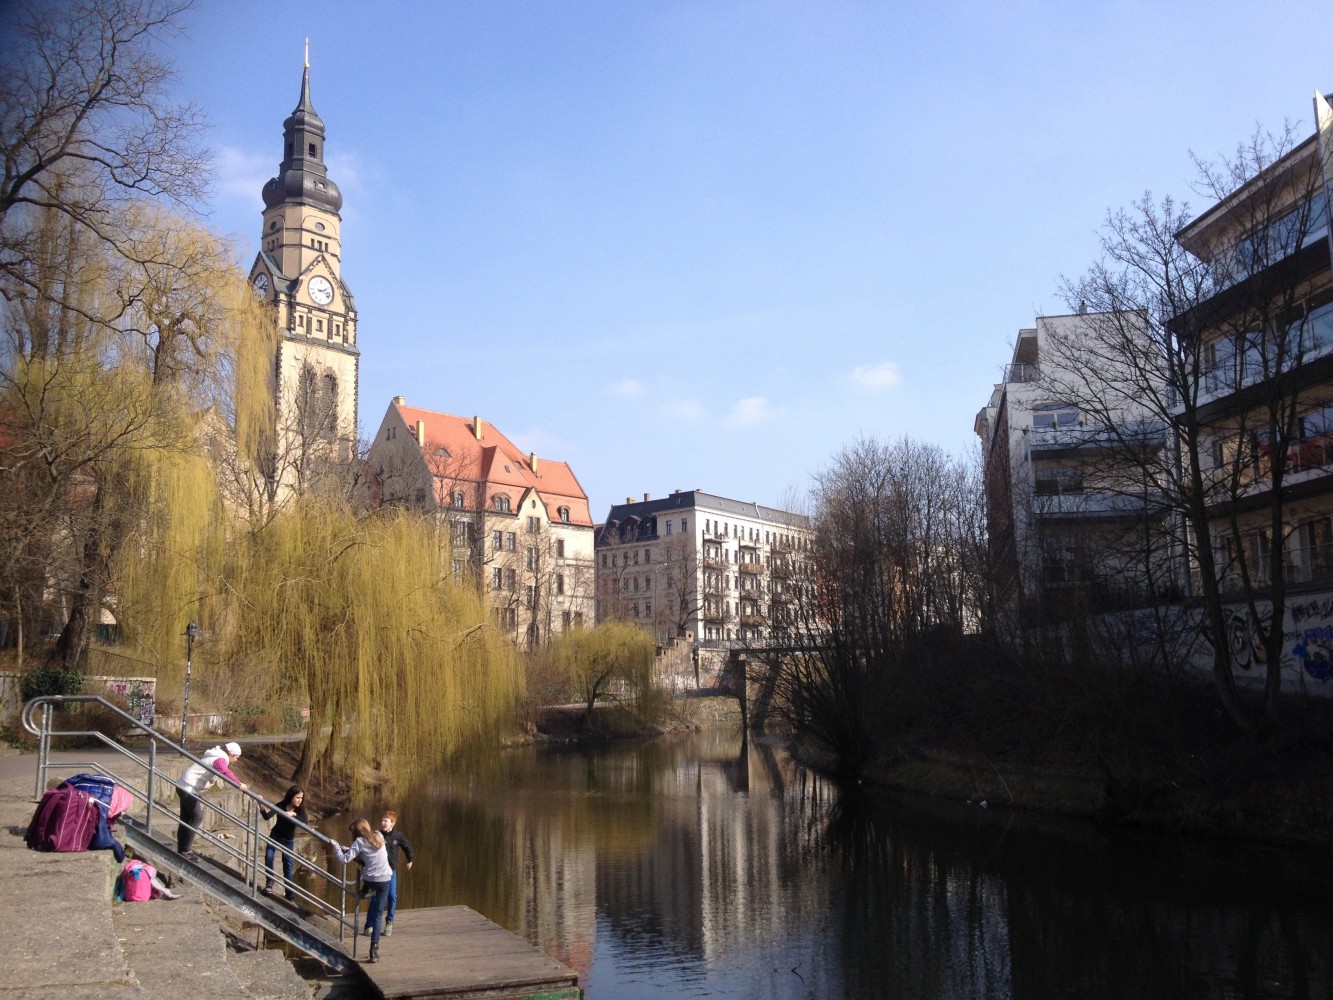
(67, 939)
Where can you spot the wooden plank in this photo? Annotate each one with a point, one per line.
(454, 952)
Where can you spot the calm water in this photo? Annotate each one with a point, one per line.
(701, 867)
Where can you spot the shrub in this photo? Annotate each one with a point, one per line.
(44, 681)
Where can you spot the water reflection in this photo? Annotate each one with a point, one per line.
(709, 867)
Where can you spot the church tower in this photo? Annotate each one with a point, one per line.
(299, 270)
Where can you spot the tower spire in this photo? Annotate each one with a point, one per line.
(302, 176)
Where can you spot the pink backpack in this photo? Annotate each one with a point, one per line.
(137, 881)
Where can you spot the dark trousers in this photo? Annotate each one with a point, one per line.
(192, 814)
(393, 898)
(288, 863)
(379, 893)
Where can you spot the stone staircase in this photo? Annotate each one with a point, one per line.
(67, 939)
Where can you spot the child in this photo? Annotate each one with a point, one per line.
(368, 848)
(393, 840)
(290, 809)
(215, 768)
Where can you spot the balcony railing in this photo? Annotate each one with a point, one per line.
(750, 567)
(1022, 373)
(1141, 436)
(1094, 504)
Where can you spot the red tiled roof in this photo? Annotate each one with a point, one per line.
(497, 463)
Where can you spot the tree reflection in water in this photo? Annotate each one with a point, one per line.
(712, 867)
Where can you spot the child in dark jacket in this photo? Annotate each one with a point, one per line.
(393, 840)
(290, 809)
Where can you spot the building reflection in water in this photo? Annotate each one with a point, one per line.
(706, 866)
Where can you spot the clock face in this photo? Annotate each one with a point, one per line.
(261, 284)
(320, 290)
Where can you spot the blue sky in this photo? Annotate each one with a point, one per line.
(708, 245)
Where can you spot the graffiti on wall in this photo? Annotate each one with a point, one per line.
(1307, 638)
(139, 693)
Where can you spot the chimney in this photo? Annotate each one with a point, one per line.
(629, 499)
(647, 497)
(532, 461)
(399, 400)
(421, 433)
(476, 428)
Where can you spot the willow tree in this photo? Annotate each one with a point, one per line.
(599, 662)
(359, 616)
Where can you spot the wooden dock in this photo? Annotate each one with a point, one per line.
(453, 951)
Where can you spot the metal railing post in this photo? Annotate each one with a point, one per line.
(151, 784)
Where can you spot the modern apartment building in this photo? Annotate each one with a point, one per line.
(1263, 404)
(519, 527)
(726, 572)
(1074, 505)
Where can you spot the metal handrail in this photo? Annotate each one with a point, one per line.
(249, 859)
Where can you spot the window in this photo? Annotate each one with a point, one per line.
(532, 559)
(560, 548)
(564, 515)
(511, 541)
(534, 524)
(578, 618)
(511, 580)
(458, 501)
(684, 525)
(647, 609)
(647, 555)
(559, 583)
(532, 595)
(511, 617)
(668, 531)
(495, 578)
(500, 502)
(1049, 417)
(564, 620)
(496, 537)
(603, 560)
(636, 557)
(314, 150)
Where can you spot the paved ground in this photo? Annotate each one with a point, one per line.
(67, 939)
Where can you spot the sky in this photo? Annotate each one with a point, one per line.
(689, 245)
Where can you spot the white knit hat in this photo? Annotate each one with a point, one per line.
(233, 748)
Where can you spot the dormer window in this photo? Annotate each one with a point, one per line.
(564, 515)
(458, 501)
(500, 502)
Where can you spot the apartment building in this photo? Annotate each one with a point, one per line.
(1263, 404)
(1073, 474)
(519, 527)
(724, 571)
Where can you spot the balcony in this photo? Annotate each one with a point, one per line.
(750, 567)
(754, 620)
(1137, 437)
(1022, 373)
(746, 543)
(714, 562)
(1095, 504)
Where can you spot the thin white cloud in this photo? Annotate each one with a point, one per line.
(689, 410)
(242, 175)
(627, 388)
(750, 412)
(884, 375)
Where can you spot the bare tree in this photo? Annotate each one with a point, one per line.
(1210, 324)
(87, 127)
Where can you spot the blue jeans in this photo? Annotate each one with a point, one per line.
(379, 892)
(288, 863)
(392, 907)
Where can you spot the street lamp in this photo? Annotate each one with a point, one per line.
(191, 632)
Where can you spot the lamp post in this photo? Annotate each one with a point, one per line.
(191, 631)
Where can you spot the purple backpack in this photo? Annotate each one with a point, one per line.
(65, 820)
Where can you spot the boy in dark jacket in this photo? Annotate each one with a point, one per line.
(393, 840)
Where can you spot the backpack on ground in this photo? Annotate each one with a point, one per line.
(64, 820)
(137, 881)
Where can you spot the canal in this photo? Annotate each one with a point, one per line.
(704, 866)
